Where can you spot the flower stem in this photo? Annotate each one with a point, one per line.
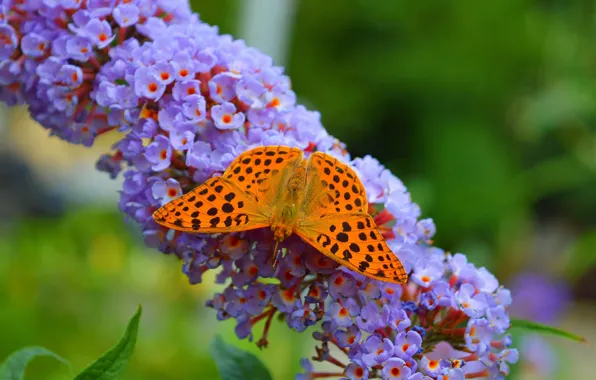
(263, 341)
(320, 375)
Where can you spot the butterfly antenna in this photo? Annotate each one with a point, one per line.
(275, 254)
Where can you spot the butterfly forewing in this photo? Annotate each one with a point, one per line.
(260, 164)
(332, 187)
(217, 205)
(354, 241)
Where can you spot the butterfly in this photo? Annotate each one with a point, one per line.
(320, 199)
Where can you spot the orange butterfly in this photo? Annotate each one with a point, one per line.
(320, 199)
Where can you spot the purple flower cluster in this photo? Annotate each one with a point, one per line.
(188, 101)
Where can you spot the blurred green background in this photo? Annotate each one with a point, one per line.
(486, 111)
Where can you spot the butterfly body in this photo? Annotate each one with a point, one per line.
(286, 214)
(320, 199)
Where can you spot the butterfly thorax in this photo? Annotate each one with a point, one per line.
(285, 215)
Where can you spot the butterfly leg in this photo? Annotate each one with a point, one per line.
(280, 233)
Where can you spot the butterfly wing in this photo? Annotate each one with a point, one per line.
(335, 221)
(354, 241)
(251, 168)
(218, 205)
(332, 187)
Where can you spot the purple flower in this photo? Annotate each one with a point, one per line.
(369, 319)
(159, 153)
(407, 344)
(280, 98)
(165, 71)
(222, 87)
(341, 284)
(431, 367)
(131, 146)
(166, 191)
(199, 155)
(148, 84)
(183, 136)
(79, 48)
(342, 315)
(348, 337)
(186, 88)
(249, 91)
(184, 66)
(99, 32)
(498, 319)
(70, 75)
(452, 374)
(376, 350)
(8, 41)
(194, 108)
(126, 14)
(394, 369)
(356, 372)
(478, 335)
(225, 117)
(472, 304)
(396, 318)
(34, 45)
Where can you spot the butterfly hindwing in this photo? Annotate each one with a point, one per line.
(215, 206)
(354, 241)
(252, 167)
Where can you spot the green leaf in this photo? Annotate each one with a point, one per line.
(13, 368)
(545, 329)
(235, 364)
(112, 364)
(122, 82)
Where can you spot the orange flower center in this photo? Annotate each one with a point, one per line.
(395, 371)
(163, 154)
(152, 87)
(288, 295)
(183, 72)
(343, 312)
(274, 103)
(191, 91)
(253, 271)
(172, 192)
(165, 76)
(359, 372)
(227, 118)
(102, 37)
